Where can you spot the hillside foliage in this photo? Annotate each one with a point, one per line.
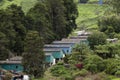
(43, 22)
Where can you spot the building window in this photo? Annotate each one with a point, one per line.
(16, 67)
(67, 51)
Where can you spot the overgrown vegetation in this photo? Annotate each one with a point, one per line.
(43, 22)
(104, 58)
(22, 27)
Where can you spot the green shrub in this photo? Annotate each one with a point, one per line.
(117, 73)
(60, 63)
(97, 38)
(94, 63)
(69, 78)
(112, 66)
(59, 70)
(117, 36)
(83, 72)
(8, 76)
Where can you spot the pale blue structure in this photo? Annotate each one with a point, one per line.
(100, 2)
(72, 44)
(12, 66)
(56, 53)
(66, 48)
(49, 59)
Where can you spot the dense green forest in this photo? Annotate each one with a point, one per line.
(53, 20)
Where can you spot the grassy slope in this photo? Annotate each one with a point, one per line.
(88, 15)
(25, 4)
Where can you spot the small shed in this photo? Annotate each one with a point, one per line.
(49, 59)
(66, 48)
(13, 64)
(58, 54)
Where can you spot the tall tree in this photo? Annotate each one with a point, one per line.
(41, 21)
(58, 18)
(71, 13)
(17, 18)
(4, 52)
(6, 27)
(12, 25)
(33, 58)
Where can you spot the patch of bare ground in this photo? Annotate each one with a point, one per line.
(89, 77)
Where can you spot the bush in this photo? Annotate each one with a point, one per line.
(60, 63)
(112, 66)
(8, 76)
(117, 36)
(117, 73)
(69, 78)
(83, 72)
(84, 1)
(59, 70)
(97, 38)
(94, 63)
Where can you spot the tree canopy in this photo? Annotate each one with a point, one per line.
(33, 57)
(97, 38)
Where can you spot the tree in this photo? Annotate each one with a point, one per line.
(82, 48)
(33, 57)
(57, 12)
(112, 66)
(102, 51)
(12, 25)
(109, 25)
(71, 13)
(115, 4)
(96, 38)
(17, 18)
(94, 63)
(4, 52)
(108, 50)
(40, 21)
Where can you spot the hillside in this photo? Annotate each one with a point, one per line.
(25, 4)
(24, 34)
(89, 14)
